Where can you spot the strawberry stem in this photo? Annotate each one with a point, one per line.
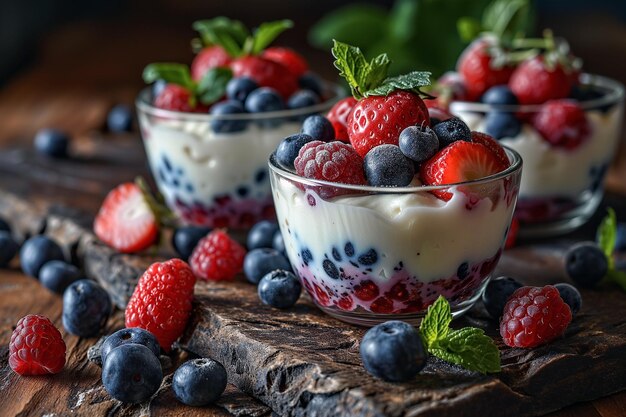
(164, 216)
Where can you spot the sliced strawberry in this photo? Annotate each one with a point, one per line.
(294, 62)
(338, 117)
(534, 82)
(209, 57)
(125, 220)
(492, 144)
(266, 73)
(459, 162)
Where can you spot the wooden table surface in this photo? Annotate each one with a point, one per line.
(71, 87)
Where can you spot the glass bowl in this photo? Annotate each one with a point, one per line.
(561, 187)
(370, 254)
(212, 170)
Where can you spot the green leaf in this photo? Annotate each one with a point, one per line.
(170, 72)
(267, 32)
(352, 66)
(212, 86)
(378, 69)
(506, 18)
(470, 348)
(229, 34)
(468, 28)
(411, 82)
(618, 277)
(607, 235)
(435, 325)
(404, 15)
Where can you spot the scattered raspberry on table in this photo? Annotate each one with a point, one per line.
(36, 347)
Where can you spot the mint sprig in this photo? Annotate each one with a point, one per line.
(468, 347)
(606, 237)
(370, 78)
(208, 90)
(505, 19)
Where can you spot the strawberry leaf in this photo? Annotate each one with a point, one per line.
(606, 235)
(360, 74)
(170, 73)
(411, 82)
(267, 33)
(212, 86)
(470, 348)
(229, 34)
(506, 18)
(468, 28)
(435, 325)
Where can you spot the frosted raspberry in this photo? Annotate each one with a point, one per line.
(332, 161)
(534, 316)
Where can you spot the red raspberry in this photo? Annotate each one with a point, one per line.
(208, 58)
(294, 62)
(533, 82)
(333, 161)
(511, 237)
(378, 120)
(217, 257)
(36, 347)
(338, 117)
(534, 316)
(367, 290)
(174, 97)
(161, 302)
(562, 123)
(477, 69)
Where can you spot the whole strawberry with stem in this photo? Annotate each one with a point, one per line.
(385, 105)
(276, 68)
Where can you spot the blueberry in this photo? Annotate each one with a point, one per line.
(368, 258)
(289, 148)
(239, 88)
(278, 242)
(279, 289)
(260, 176)
(120, 119)
(349, 249)
(261, 235)
(586, 264)
(418, 143)
(620, 239)
(310, 81)
(463, 270)
(497, 294)
(319, 128)
(36, 251)
(502, 125)
(4, 226)
(393, 351)
(499, 95)
(199, 382)
(330, 268)
(51, 142)
(336, 254)
(587, 93)
(226, 125)
(134, 335)
(58, 275)
(386, 166)
(8, 248)
(597, 174)
(132, 373)
(259, 262)
(185, 239)
(451, 130)
(302, 98)
(264, 99)
(307, 256)
(86, 308)
(157, 88)
(571, 296)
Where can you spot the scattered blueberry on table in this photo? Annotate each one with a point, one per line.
(8, 248)
(586, 264)
(185, 239)
(36, 251)
(259, 262)
(199, 382)
(86, 308)
(58, 275)
(52, 142)
(261, 235)
(120, 119)
(279, 289)
(497, 293)
(127, 336)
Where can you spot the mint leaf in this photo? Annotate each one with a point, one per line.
(378, 69)
(607, 235)
(435, 325)
(470, 348)
(468, 28)
(229, 34)
(404, 14)
(618, 277)
(267, 32)
(411, 82)
(212, 86)
(170, 72)
(352, 66)
(506, 18)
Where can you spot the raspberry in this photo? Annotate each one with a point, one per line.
(562, 123)
(534, 316)
(338, 117)
(36, 347)
(366, 290)
(332, 161)
(217, 257)
(161, 302)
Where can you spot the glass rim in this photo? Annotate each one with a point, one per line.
(514, 157)
(615, 94)
(143, 104)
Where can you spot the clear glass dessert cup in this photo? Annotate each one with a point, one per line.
(561, 187)
(212, 170)
(366, 254)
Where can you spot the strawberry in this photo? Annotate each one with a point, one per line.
(209, 57)
(535, 82)
(295, 63)
(266, 73)
(378, 120)
(338, 117)
(478, 69)
(562, 123)
(174, 97)
(125, 221)
(460, 162)
(511, 237)
(492, 144)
